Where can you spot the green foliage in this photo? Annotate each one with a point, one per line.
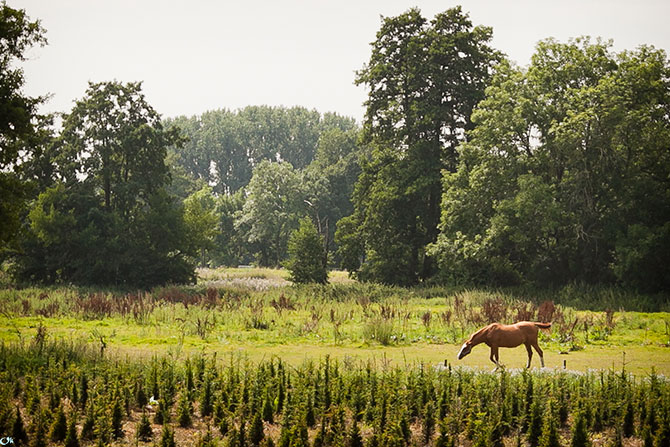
(206, 404)
(167, 437)
(534, 423)
(354, 438)
(401, 398)
(18, 431)
(562, 179)
(206, 440)
(580, 435)
(19, 124)
(201, 220)
(306, 255)
(109, 220)
(184, 410)
(640, 257)
(549, 436)
(271, 210)
(256, 433)
(428, 428)
(38, 435)
(628, 423)
(413, 130)
(71, 439)
(117, 420)
(143, 431)
(58, 429)
(232, 142)
(268, 412)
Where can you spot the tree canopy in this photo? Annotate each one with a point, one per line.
(224, 146)
(566, 175)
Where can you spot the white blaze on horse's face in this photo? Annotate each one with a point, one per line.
(465, 350)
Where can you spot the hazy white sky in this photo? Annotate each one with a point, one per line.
(199, 55)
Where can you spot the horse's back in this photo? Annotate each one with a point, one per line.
(508, 336)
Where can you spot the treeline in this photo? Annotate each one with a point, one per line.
(248, 176)
(483, 172)
(467, 169)
(222, 147)
(48, 390)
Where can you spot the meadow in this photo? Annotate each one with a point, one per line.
(335, 364)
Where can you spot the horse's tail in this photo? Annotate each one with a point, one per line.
(543, 325)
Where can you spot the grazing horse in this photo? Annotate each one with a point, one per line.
(498, 335)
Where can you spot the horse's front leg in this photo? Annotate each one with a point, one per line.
(530, 355)
(494, 357)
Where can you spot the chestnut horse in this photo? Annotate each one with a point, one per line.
(498, 335)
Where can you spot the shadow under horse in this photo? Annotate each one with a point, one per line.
(498, 335)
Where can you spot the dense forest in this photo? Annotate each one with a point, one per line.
(466, 169)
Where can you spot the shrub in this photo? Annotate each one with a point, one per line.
(18, 430)
(580, 436)
(428, 423)
(256, 433)
(354, 439)
(38, 438)
(117, 421)
(549, 436)
(206, 405)
(184, 410)
(306, 261)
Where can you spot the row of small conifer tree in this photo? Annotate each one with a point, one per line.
(67, 394)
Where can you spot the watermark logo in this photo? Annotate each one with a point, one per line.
(6, 441)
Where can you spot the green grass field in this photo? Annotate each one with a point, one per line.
(259, 314)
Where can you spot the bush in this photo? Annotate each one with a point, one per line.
(307, 259)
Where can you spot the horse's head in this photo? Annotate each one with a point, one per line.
(465, 349)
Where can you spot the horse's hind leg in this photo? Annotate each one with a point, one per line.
(530, 355)
(539, 352)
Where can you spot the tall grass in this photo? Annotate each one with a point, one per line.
(340, 313)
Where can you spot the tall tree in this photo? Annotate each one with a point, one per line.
(18, 113)
(116, 140)
(424, 78)
(329, 180)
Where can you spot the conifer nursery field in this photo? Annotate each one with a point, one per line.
(245, 358)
